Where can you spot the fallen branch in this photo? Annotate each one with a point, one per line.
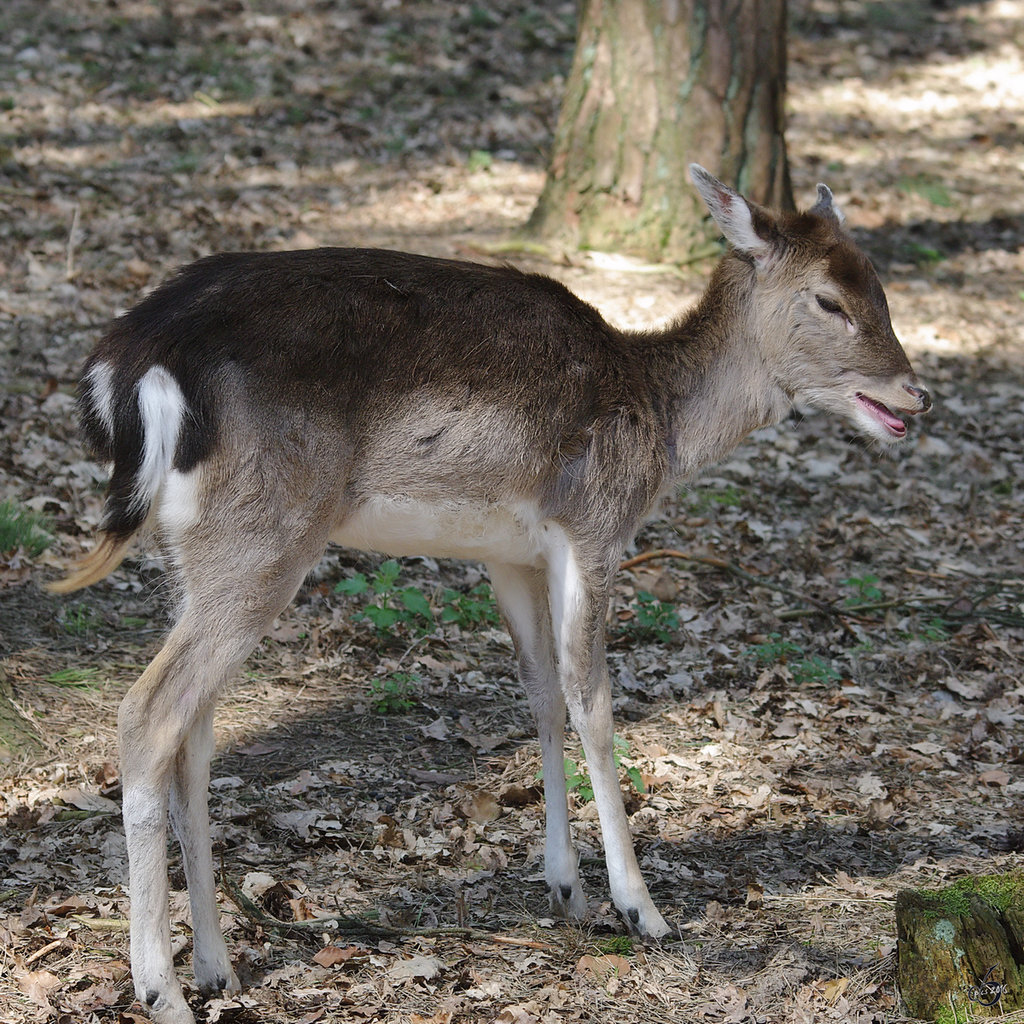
(726, 566)
(350, 924)
(101, 924)
(43, 950)
(961, 608)
(686, 556)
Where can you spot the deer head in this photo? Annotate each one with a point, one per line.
(818, 311)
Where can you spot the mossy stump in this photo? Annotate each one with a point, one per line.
(960, 950)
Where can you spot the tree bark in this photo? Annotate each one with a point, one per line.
(654, 86)
(962, 950)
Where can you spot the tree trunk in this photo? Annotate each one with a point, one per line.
(961, 950)
(654, 86)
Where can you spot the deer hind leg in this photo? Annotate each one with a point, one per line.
(189, 814)
(578, 612)
(522, 596)
(234, 587)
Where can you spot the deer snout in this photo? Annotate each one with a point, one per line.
(921, 396)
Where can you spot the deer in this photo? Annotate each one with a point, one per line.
(260, 406)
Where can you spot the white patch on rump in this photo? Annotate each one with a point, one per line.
(101, 385)
(449, 529)
(161, 407)
(178, 504)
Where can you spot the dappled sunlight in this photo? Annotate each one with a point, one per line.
(818, 679)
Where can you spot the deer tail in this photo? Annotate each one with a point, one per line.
(135, 424)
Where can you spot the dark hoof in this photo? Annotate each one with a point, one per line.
(215, 987)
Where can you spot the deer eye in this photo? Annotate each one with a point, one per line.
(831, 306)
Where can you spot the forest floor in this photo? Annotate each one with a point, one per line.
(823, 701)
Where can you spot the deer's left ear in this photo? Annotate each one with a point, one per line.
(826, 206)
(735, 216)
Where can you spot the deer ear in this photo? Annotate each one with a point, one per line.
(732, 213)
(825, 206)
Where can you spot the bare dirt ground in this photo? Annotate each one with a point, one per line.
(833, 714)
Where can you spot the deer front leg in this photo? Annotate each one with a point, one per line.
(522, 597)
(578, 612)
(191, 821)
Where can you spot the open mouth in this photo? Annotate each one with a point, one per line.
(884, 415)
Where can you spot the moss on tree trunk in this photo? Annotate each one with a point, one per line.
(653, 87)
(961, 950)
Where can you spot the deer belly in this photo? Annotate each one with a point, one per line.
(407, 526)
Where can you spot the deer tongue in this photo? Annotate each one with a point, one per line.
(884, 415)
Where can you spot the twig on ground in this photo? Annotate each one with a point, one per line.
(101, 924)
(961, 608)
(351, 925)
(726, 566)
(43, 950)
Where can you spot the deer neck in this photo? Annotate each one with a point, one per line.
(722, 380)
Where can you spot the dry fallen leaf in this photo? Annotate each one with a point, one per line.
(480, 807)
(436, 730)
(834, 988)
(331, 955)
(441, 1017)
(38, 985)
(603, 968)
(425, 967)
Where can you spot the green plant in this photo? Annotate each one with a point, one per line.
(866, 589)
(615, 945)
(394, 693)
(922, 255)
(394, 605)
(652, 619)
(80, 619)
(620, 748)
(935, 630)
(813, 669)
(928, 188)
(186, 163)
(20, 527)
(477, 608)
(479, 160)
(577, 778)
(76, 678)
(803, 667)
(773, 650)
(729, 496)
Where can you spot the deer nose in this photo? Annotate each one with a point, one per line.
(924, 400)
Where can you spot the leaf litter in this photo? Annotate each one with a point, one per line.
(832, 712)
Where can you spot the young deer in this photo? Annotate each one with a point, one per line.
(260, 406)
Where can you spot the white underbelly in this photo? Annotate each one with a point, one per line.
(483, 533)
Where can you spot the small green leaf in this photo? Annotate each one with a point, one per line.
(354, 585)
(387, 574)
(414, 601)
(382, 618)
